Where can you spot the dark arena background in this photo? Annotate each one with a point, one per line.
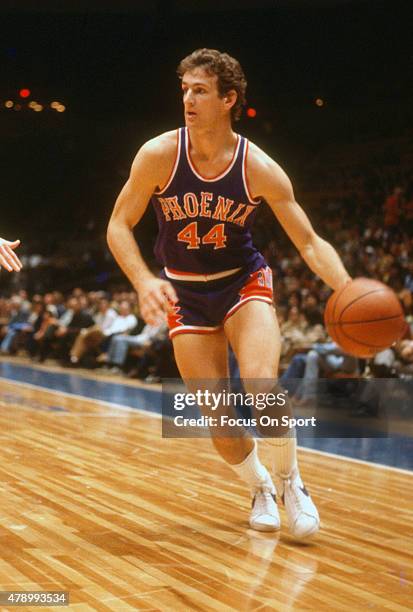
(95, 502)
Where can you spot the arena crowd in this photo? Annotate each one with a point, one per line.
(102, 328)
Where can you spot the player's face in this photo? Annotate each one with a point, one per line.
(202, 104)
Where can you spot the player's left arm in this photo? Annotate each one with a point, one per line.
(268, 180)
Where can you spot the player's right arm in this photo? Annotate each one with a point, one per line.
(150, 170)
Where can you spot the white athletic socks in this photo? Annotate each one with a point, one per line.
(252, 471)
(283, 454)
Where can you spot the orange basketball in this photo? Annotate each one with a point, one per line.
(364, 317)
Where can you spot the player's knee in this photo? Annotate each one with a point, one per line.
(256, 371)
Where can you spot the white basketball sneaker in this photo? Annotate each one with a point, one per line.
(264, 512)
(302, 515)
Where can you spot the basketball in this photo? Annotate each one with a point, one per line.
(364, 317)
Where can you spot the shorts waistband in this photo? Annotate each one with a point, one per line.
(193, 276)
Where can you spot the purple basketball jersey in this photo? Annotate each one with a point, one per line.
(205, 223)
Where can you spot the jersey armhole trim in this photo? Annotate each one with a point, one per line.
(244, 176)
(175, 166)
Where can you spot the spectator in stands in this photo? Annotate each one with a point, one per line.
(49, 301)
(156, 360)
(33, 325)
(36, 342)
(394, 361)
(299, 333)
(408, 212)
(392, 209)
(311, 309)
(123, 323)
(404, 358)
(323, 359)
(119, 345)
(59, 302)
(61, 333)
(4, 313)
(90, 338)
(19, 314)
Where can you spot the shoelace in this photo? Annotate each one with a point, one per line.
(262, 497)
(294, 493)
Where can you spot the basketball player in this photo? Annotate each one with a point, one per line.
(206, 183)
(8, 258)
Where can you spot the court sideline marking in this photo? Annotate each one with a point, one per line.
(156, 415)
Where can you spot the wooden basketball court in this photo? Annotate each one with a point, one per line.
(96, 503)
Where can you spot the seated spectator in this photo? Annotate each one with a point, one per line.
(48, 319)
(90, 338)
(395, 361)
(292, 330)
(392, 208)
(323, 359)
(33, 324)
(155, 361)
(49, 301)
(59, 302)
(404, 358)
(408, 212)
(124, 322)
(119, 345)
(299, 334)
(19, 314)
(4, 316)
(388, 396)
(312, 310)
(61, 333)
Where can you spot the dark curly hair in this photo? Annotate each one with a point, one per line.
(227, 69)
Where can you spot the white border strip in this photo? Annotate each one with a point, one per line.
(193, 328)
(360, 461)
(258, 298)
(200, 277)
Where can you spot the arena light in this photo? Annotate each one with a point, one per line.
(24, 92)
(319, 102)
(55, 104)
(32, 104)
(38, 108)
(17, 107)
(9, 104)
(251, 113)
(61, 108)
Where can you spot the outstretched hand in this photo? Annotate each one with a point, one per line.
(8, 258)
(156, 299)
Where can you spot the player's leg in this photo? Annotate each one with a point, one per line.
(254, 335)
(203, 357)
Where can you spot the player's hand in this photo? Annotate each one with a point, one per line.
(156, 298)
(8, 258)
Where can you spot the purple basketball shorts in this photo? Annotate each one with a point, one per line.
(204, 305)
